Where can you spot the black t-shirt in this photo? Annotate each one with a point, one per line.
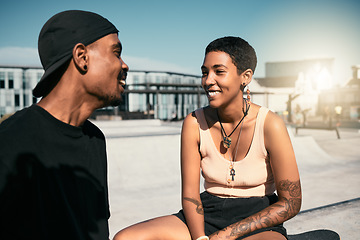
(53, 178)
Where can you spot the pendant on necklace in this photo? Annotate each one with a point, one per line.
(227, 142)
(232, 173)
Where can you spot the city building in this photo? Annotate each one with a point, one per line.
(148, 94)
(345, 101)
(296, 86)
(293, 90)
(16, 84)
(161, 95)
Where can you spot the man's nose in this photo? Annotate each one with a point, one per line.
(124, 66)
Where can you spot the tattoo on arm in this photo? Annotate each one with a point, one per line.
(293, 203)
(272, 215)
(293, 188)
(199, 207)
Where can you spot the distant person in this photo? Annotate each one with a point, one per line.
(298, 118)
(338, 110)
(244, 153)
(174, 117)
(53, 166)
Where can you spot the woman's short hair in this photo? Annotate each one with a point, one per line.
(242, 54)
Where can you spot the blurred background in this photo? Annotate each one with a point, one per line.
(308, 72)
(308, 54)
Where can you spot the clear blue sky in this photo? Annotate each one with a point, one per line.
(173, 34)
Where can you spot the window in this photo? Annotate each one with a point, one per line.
(26, 99)
(17, 100)
(142, 106)
(136, 81)
(2, 80)
(11, 80)
(2, 112)
(11, 84)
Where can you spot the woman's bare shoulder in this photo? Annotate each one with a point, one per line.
(273, 121)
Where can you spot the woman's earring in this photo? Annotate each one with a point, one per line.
(85, 67)
(248, 94)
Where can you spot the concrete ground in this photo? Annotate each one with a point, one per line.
(144, 175)
(330, 175)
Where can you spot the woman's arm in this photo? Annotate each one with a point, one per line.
(190, 175)
(287, 180)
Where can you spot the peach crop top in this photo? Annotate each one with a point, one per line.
(253, 174)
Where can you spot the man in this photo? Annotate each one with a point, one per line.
(53, 167)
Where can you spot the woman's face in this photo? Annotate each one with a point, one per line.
(220, 79)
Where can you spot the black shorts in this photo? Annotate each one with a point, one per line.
(222, 212)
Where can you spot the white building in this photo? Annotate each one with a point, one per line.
(295, 84)
(16, 84)
(163, 95)
(168, 95)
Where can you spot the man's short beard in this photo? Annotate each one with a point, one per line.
(115, 102)
(110, 101)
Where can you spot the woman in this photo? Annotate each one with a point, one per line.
(244, 154)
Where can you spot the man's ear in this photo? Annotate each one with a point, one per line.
(80, 57)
